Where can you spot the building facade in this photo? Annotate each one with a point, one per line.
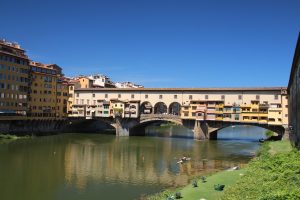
(48, 92)
(14, 71)
(251, 105)
(294, 97)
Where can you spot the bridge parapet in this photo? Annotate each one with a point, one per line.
(165, 117)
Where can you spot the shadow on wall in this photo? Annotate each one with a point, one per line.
(90, 126)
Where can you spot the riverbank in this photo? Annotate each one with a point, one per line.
(273, 174)
(5, 138)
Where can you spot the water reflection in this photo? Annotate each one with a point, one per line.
(78, 166)
(152, 161)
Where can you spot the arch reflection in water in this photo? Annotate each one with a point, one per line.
(141, 161)
(91, 166)
(242, 132)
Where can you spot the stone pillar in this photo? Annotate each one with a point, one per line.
(171, 131)
(199, 133)
(121, 128)
(286, 133)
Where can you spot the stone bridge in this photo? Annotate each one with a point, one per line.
(144, 118)
(203, 129)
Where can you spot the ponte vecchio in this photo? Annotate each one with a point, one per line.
(205, 110)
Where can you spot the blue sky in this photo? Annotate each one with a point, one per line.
(160, 43)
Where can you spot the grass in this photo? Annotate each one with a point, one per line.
(283, 146)
(204, 190)
(4, 138)
(275, 174)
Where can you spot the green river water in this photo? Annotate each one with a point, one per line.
(95, 166)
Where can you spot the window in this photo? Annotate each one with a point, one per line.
(77, 94)
(93, 95)
(106, 95)
(237, 117)
(132, 96)
(206, 96)
(175, 96)
(257, 97)
(276, 97)
(146, 96)
(222, 97)
(190, 97)
(119, 95)
(240, 97)
(160, 96)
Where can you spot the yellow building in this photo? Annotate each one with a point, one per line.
(117, 108)
(85, 82)
(47, 92)
(13, 81)
(62, 96)
(72, 85)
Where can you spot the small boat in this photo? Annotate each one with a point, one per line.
(183, 159)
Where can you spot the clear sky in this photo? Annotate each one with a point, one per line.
(160, 43)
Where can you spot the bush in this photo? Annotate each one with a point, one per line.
(195, 183)
(269, 133)
(178, 195)
(269, 177)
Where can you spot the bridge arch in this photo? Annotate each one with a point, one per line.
(174, 108)
(148, 119)
(213, 130)
(160, 108)
(146, 108)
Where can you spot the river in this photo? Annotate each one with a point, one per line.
(95, 166)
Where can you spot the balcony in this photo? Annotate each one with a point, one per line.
(211, 105)
(201, 106)
(219, 105)
(213, 111)
(275, 109)
(210, 118)
(264, 106)
(227, 111)
(219, 112)
(245, 106)
(219, 118)
(263, 114)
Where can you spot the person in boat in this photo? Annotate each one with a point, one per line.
(183, 159)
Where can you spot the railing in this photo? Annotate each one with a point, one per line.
(159, 116)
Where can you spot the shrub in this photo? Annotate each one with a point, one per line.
(178, 195)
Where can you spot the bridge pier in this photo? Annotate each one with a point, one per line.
(124, 126)
(200, 130)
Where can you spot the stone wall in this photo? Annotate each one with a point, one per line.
(51, 127)
(294, 98)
